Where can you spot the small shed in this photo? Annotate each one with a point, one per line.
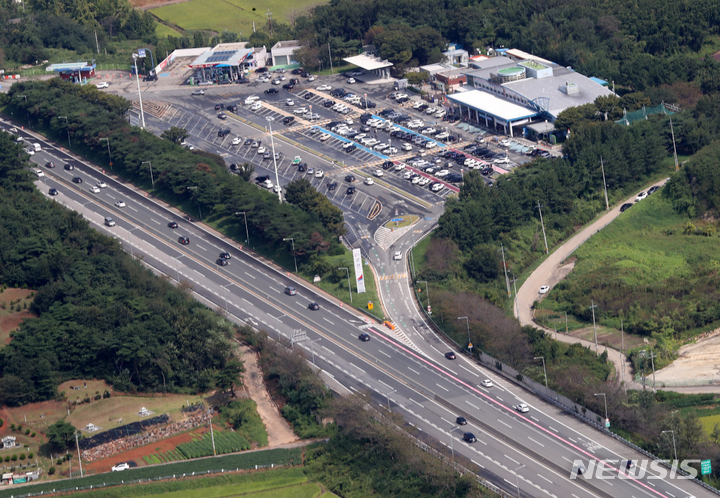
(77, 72)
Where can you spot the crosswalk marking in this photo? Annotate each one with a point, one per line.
(396, 276)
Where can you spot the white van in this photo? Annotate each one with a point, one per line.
(37, 147)
(252, 99)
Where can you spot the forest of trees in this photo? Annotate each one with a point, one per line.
(100, 314)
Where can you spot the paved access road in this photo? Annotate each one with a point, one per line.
(429, 390)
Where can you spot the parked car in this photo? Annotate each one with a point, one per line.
(641, 196)
(120, 467)
(626, 206)
(102, 85)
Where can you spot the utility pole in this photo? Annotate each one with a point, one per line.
(348, 277)
(137, 77)
(212, 435)
(96, 42)
(330, 55)
(517, 311)
(592, 307)
(539, 208)
(602, 167)
(677, 166)
(270, 119)
(652, 362)
(427, 291)
(622, 354)
(269, 18)
(78, 450)
(544, 370)
(507, 279)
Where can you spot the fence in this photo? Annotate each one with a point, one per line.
(213, 465)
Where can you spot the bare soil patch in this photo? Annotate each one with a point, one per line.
(151, 4)
(698, 364)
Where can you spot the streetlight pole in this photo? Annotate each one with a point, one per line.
(348, 276)
(387, 396)
(674, 447)
(272, 145)
(137, 77)
(605, 398)
(27, 113)
(452, 450)
(67, 128)
(108, 146)
(517, 483)
(312, 349)
(427, 291)
(467, 321)
(293, 249)
(247, 234)
(542, 224)
(152, 179)
(544, 370)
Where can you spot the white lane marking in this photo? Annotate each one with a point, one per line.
(331, 323)
(543, 477)
(363, 371)
(246, 273)
(441, 387)
(413, 371)
(503, 423)
(531, 439)
(552, 428)
(498, 397)
(473, 461)
(201, 247)
(383, 352)
(466, 401)
(512, 460)
(154, 221)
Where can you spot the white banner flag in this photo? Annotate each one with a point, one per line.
(359, 279)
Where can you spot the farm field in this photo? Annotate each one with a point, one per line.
(234, 15)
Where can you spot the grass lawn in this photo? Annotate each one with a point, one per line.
(163, 31)
(708, 423)
(403, 221)
(234, 15)
(307, 490)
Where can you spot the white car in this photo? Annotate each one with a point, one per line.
(504, 142)
(406, 147)
(324, 137)
(38, 173)
(486, 383)
(95, 189)
(378, 173)
(424, 181)
(351, 81)
(348, 145)
(256, 106)
(437, 187)
(324, 88)
(319, 173)
(401, 96)
(102, 85)
(430, 145)
(276, 82)
(442, 172)
(399, 167)
(300, 110)
(120, 204)
(641, 196)
(276, 189)
(416, 179)
(30, 151)
(381, 146)
(261, 150)
(391, 150)
(267, 184)
(311, 78)
(544, 289)
(502, 160)
(369, 181)
(236, 141)
(289, 102)
(102, 184)
(408, 175)
(120, 467)
(522, 408)
(397, 256)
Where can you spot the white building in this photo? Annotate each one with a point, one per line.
(283, 53)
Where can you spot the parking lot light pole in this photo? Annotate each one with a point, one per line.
(67, 128)
(293, 250)
(247, 234)
(270, 119)
(348, 276)
(545, 371)
(152, 179)
(108, 146)
(137, 77)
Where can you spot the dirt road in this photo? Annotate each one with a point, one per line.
(551, 271)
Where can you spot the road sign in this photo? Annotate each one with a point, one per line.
(607, 423)
(141, 52)
(705, 467)
(396, 219)
(429, 310)
(370, 305)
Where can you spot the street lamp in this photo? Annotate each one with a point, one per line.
(247, 234)
(293, 250)
(545, 371)
(517, 484)
(152, 179)
(467, 321)
(605, 398)
(137, 77)
(312, 349)
(674, 447)
(108, 146)
(270, 119)
(427, 291)
(199, 210)
(67, 127)
(349, 288)
(388, 397)
(452, 450)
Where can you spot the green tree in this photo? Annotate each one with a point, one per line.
(246, 171)
(61, 435)
(175, 134)
(228, 378)
(416, 78)
(573, 116)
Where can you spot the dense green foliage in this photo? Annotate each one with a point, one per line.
(225, 442)
(100, 314)
(695, 190)
(295, 386)
(61, 435)
(278, 456)
(243, 416)
(196, 180)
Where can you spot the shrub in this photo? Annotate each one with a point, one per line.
(97, 397)
(1, 422)
(31, 455)
(27, 432)
(51, 471)
(19, 428)
(13, 458)
(22, 456)
(86, 399)
(12, 427)
(32, 434)
(7, 458)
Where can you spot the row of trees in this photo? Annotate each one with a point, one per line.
(99, 313)
(195, 179)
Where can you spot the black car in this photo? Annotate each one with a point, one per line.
(150, 77)
(288, 119)
(461, 421)
(350, 191)
(234, 167)
(314, 306)
(351, 148)
(297, 71)
(262, 70)
(261, 179)
(231, 108)
(388, 165)
(50, 164)
(184, 240)
(219, 106)
(650, 191)
(222, 262)
(271, 90)
(450, 355)
(332, 186)
(248, 141)
(328, 103)
(625, 207)
(364, 337)
(243, 80)
(172, 224)
(53, 191)
(69, 167)
(294, 81)
(225, 255)
(77, 179)
(350, 178)
(368, 105)
(223, 133)
(288, 86)
(309, 95)
(469, 437)
(302, 167)
(304, 74)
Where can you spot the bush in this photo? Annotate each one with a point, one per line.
(31, 455)
(32, 434)
(22, 456)
(12, 427)
(27, 432)
(7, 458)
(51, 471)
(14, 458)
(1, 422)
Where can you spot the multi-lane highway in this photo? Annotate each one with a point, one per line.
(409, 373)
